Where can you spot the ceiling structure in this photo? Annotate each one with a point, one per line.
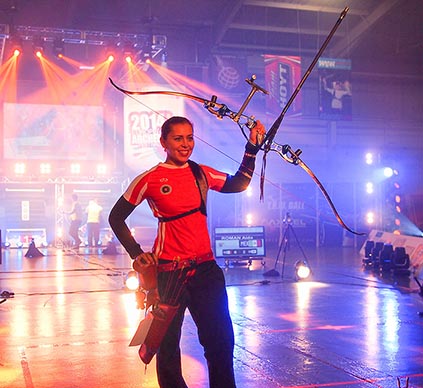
(387, 31)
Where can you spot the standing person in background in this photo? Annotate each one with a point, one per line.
(93, 211)
(75, 215)
(176, 192)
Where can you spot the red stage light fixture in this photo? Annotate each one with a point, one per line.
(128, 52)
(58, 48)
(38, 46)
(16, 46)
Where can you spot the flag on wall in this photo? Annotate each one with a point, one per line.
(282, 75)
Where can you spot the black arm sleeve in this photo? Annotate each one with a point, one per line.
(242, 178)
(119, 213)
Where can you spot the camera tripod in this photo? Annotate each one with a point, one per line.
(284, 246)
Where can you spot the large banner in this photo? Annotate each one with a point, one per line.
(335, 89)
(282, 75)
(142, 125)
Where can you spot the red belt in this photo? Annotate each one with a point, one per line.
(185, 263)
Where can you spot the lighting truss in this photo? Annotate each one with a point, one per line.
(156, 42)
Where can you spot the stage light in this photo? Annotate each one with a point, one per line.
(58, 48)
(249, 219)
(302, 270)
(132, 282)
(101, 169)
(7, 244)
(38, 46)
(388, 172)
(110, 58)
(128, 52)
(16, 44)
(19, 244)
(370, 188)
(20, 168)
(370, 218)
(369, 158)
(45, 168)
(75, 168)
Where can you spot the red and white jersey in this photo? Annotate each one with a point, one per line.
(171, 190)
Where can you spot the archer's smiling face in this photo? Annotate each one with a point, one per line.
(178, 144)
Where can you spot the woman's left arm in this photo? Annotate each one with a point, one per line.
(242, 178)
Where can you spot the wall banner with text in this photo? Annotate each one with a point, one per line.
(142, 126)
(282, 75)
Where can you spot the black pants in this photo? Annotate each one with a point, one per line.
(74, 231)
(206, 299)
(93, 233)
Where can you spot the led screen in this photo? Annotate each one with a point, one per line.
(52, 132)
(239, 242)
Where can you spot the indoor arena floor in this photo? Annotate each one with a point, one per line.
(70, 321)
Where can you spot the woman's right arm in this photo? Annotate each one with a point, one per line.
(117, 220)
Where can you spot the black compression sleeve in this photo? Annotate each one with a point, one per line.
(242, 178)
(119, 213)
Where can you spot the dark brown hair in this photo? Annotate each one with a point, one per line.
(167, 125)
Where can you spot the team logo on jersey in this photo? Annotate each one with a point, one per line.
(165, 189)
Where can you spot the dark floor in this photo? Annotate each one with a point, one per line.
(70, 322)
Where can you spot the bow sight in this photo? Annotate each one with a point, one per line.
(221, 110)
